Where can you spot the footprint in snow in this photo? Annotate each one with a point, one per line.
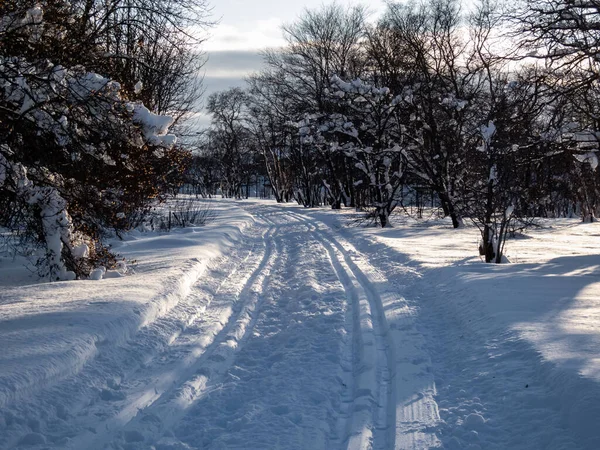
(109, 395)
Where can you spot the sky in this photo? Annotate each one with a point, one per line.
(244, 28)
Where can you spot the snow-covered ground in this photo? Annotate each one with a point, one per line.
(275, 326)
(515, 347)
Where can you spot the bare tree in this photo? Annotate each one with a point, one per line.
(228, 137)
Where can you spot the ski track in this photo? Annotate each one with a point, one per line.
(370, 417)
(224, 324)
(282, 390)
(405, 415)
(493, 393)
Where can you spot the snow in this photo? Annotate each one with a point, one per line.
(98, 273)
(72, 321)
(487, 132)
(275, 326)
(514, 343)
(55, 220)
(33, 15)
(155, 127)
(590, 157)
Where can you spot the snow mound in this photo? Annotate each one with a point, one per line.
(155, 127)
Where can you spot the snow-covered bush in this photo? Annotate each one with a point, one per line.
(75, 153)
(366, 130)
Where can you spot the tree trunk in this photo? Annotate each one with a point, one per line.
(449, 209)
(487, 246)
(456, 220)
(383, 219)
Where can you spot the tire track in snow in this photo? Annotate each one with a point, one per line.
(284, 388)
(349, 426)
(349, 349)
(228, 319)
(371, 423)
(220, 355)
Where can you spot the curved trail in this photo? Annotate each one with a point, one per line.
(275, 329)
(292, 341)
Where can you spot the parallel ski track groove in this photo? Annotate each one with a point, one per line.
(113, 426)
(237, 330)
(384, 415)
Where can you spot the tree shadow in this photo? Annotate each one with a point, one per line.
(531, 325)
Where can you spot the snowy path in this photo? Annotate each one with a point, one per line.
(291, 340)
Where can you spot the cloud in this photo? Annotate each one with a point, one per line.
(253, 36)
(233, 46)
(224, 70)
(232, 64)
(198, 122)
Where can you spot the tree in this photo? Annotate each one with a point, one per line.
(566, 33)
(438, 78)
(565, 37)
(229, 139)
(270, 122)
(321, 43)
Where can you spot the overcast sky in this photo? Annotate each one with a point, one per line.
(247, 26)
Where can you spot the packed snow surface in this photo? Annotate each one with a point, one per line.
(277, 327)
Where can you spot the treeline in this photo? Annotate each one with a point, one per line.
(89, 91)
(491, 108)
